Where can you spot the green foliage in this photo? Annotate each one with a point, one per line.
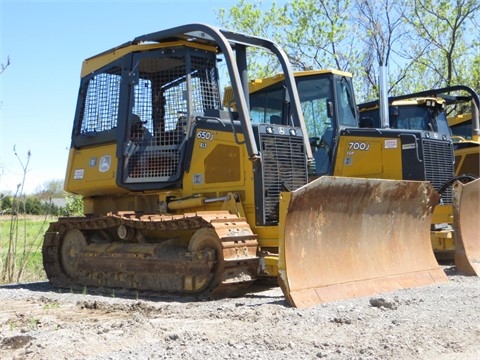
(476, 72)
(319, 35)
(30, 205)
(50, 190)
(6, 203)
(251, 18)
(33, 323)
(21, 236)
(315, 34)
(425, 43)
(444, 51)
(74, 206)
(33, 206)
(39, 204)
(51, 305)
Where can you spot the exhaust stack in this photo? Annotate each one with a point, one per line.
(383, 99)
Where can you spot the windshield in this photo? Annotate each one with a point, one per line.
(266, 106)
(463, 129)
(315, 97)
(416, 117)
(316, 94)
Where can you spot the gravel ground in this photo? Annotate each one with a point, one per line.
(440, 322)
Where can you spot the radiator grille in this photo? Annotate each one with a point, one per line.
(438, 158)
(284, 166)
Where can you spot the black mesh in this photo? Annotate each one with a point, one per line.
(170, 91)
(100, 111)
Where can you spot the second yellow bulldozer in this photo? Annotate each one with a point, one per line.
(413, 142)
(183, 196)
(456, 232)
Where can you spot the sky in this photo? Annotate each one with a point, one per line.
(46, 43)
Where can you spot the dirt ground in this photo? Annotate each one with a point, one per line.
(440, 322)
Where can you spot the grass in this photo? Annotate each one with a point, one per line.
(21, 241)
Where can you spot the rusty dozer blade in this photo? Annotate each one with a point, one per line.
(350, 237)
(466, 226)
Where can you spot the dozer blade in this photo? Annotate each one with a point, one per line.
(350, 237)
(466, 219)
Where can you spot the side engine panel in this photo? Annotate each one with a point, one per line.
(396, 154)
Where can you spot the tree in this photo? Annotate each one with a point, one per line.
(50, 189)
(33, 206)
(3, 67)
(475, 68)
(6, 203)
(74, 205)
(382, 24)
(426, 44)
(250, 18)
(315, 34)
(321, 35)
(445, 51)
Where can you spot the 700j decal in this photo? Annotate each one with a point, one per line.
(358, 146)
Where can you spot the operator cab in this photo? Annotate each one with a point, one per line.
(425, 114)
(328, 105)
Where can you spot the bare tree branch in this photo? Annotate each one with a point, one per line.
(3, 67)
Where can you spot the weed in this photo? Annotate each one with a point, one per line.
(21, 240)
(33, 323)
(52, 305)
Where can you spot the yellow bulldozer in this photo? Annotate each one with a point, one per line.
(183, 195)
(440, 111)
(455, 232)
(343, 143)
(466, 145)
(346, 143)
(464, 125)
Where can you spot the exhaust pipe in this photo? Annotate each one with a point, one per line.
(383, 99)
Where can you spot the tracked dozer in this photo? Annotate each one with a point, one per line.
(466, 195)
(182, 196)
(427, 111)
(465, 127)
(427, 115)
(466, 211)
(417, 145)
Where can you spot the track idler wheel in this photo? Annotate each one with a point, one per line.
(205, 239)
(72, 245)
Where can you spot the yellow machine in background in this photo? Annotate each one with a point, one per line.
(465, 128)
(437, 109)
(427, 114)
(466, 144)
(415, 144)
(428, 110)
(182, 196)
(466, 200)
(344, 146)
